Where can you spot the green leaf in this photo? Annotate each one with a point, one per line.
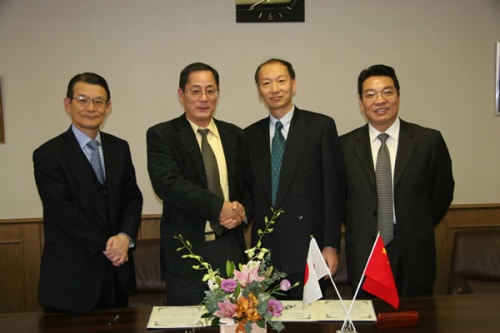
(229, 268)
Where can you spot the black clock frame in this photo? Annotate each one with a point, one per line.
(271, 13)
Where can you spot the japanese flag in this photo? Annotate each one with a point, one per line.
(316, 268)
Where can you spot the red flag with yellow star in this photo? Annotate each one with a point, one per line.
(379, 280)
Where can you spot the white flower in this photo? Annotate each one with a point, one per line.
(252, 264)
(212, 284)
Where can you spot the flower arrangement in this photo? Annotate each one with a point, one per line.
(247, 295)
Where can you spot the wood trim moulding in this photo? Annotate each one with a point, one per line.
(22, 220)
(157, 217)
(146, 217)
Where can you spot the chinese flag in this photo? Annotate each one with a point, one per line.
(379, 280)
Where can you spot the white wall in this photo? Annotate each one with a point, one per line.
(443, 52)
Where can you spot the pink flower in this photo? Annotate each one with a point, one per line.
(248, 275)
(226, 309)
(228, 285)
(274, 308)
(285, 285)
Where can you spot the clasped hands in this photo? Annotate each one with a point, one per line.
(232, 214)
(117, 249)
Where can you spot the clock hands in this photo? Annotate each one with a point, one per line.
(258, 3)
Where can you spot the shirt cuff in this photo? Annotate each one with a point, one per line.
(131, 244)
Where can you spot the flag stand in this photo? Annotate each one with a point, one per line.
(350, 327)
(318, 270)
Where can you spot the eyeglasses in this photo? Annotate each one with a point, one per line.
(372, 94)
(84, 101)
(198, 93)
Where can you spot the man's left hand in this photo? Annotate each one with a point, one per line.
(332, 259)
(117, 249)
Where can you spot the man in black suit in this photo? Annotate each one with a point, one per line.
(422, 186)
(308, 186)
(211, 221)
(90, 219)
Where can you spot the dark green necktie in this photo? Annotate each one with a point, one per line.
(277, 149)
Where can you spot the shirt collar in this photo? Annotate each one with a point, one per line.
(82, 138)
(393, 131)
(211, 126)
(285, 121)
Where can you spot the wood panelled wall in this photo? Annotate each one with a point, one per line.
(21, 243)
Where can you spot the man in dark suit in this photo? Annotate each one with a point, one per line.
(90, 219)
(308, 182)
(210, 220)
(422, 186)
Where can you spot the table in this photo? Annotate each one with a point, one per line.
(478, 313)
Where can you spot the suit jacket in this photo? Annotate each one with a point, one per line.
(423, 191)
(77, 223)
(309, 191)
(178, 177)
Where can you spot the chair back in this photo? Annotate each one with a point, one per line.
(475, 265)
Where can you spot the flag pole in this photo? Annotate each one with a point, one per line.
(359, 284)
(351, 324)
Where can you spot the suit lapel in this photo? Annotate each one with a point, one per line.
(406, 146)
(261, 156)
(188, 139)
(77, 162)
(108, 153)
(228, 141)
(363, 153)
(80, 169)
(295, 144)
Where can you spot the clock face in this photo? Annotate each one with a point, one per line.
(268, 11)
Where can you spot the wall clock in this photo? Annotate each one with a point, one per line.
(270, 11)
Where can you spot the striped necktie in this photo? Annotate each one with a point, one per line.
(383, 175)
(212, 173)
(95, 160)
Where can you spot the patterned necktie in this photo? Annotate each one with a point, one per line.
(277, 149)
(212, 173)
(383, 175)
(95, 160)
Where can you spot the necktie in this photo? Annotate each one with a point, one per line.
(277, 149)
(383, 176)
(212, 173)
(95, 160)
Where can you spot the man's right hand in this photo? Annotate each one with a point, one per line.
(232, 214)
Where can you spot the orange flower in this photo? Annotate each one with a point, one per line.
(246, 310)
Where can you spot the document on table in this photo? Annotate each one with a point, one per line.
(176, 317)
(323, 310)
(327, 310)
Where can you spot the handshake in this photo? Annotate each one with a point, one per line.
(232, 214)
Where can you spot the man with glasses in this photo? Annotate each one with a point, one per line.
(91, 207)
(406, 205)
(197, 167)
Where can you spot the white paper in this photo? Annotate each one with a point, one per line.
(323, 310)
(176, 317)
(327, 310)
